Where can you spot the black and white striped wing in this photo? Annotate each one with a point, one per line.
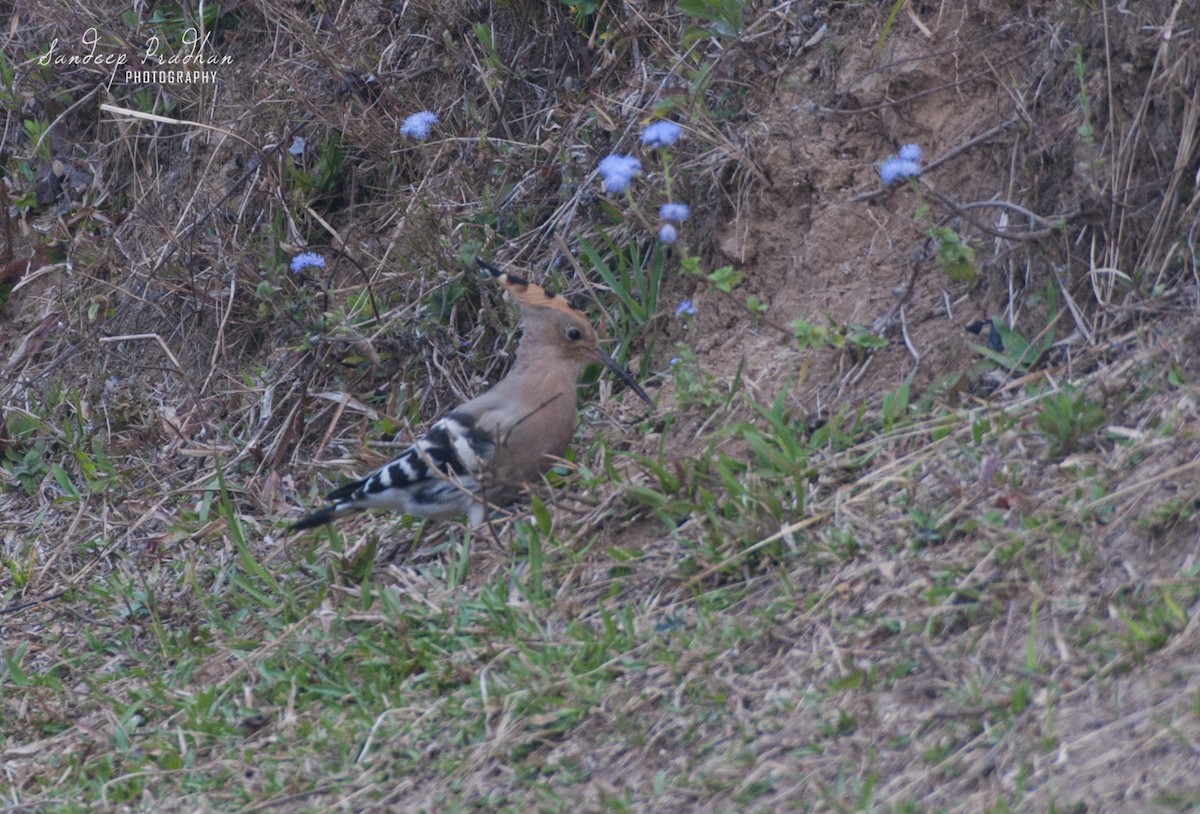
(436, 477)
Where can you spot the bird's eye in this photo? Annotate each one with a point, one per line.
(574, 334)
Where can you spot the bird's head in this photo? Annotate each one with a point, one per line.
(551, 322)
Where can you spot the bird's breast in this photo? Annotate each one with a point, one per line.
(539, 434)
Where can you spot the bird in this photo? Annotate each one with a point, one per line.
(483, 452)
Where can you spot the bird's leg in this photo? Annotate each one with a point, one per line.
(413, 542)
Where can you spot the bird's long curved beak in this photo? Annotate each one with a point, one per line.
(624, 375)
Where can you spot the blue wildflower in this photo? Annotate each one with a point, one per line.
(677, 212)
(907, 165)
(618, 170)
(418, 124)
(668, 233)
(307, 260)
(674, 361)
(898, 169)
(685, 309)
(661, 134)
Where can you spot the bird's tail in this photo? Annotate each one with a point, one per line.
(322, 517)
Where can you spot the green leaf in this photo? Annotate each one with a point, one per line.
(954, 255)
(895, 405)
(64, 481)
(888, 23)
(541, 514)
(725, 278)
(726, 16)
(619, 286)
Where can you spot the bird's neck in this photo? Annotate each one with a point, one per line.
(542, 372)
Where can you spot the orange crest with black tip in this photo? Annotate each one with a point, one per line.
(527, 294)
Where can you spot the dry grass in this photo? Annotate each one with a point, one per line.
(820, 578)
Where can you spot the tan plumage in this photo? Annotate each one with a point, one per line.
(485, 450)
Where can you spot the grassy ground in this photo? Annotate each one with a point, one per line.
(858, 559)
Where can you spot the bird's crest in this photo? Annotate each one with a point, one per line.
(527, 294)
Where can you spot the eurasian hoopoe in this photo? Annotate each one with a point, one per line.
(485, 450)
